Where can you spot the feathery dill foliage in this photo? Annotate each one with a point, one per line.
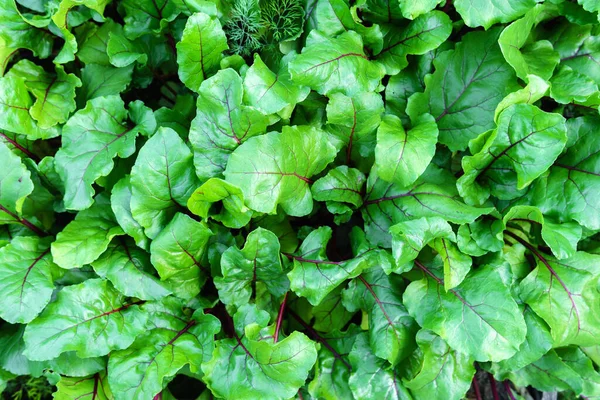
(255, 26)
(27, 387)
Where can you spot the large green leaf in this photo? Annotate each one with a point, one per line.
(91, 318)
(91, 139)
(467, 85)
(251, 366)
(279, 177)
(489, 12)
(258, 263)
(444, 373)
(391, 329)
(479, 317)
(129, 269)
(86, 237)
(222, 123)
(162, 179)
(402, 156)
(27, 276)
(523, 146)
(200, 48)
(177, 254)
(423, 34)
(172, 341)
(326, 63)
(94, 387)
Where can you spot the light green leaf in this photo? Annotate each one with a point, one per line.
(17, 33)
(423, 34)
(91, 318)
(177, 253)
(27, 276)
(402, 156)
(93, 387)
(234, 213)
(582, 365)
(174, 341)
(479, 317)
(391, 329)
(258, 263)
(330, 313)
(335, 65)
(120, 202)
(271, 92)
(536, 88)
(162, 179)
(444, 373)
(222, 123)
(341, 184)
(565, 294)
(16, 178)
(489, 12)
(200, 48)
(101, 80)
(269, 176)
(456, 264)
(569, 86)
(144, 16)
(467, 85)
(54, 94)
(91, 139)
(523, 146)
(128, 268)
(84, 239)
(251, 366)
(122, 52)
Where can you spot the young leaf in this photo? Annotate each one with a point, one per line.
(280, 178)
(94, 387)
(341, 184)
(259, 262)
(162, 179)
(177, 254)
(234, 213)
(91, 318)
(120, 202)
(27, 276)
(199, 52)
(487, 12)
(222, 123)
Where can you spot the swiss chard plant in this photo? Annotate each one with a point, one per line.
(288, 199)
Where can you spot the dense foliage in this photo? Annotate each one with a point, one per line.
(262, 199)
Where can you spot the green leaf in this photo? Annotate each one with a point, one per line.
(537, 58)
(467, 85)
(54, 94)
(487, 12)
(162, 179)
(120, 202)
(93, 387)
(569, 86)
(91, 139)
(84, 239)
(146, 16)
(128, 268)
(423, 34)
(523, 146)
(174, 341)
(326, 64)
(17, 33)
(354, 121)
(391, 329)
(341, 184)
(433, 195)
(15, 106)
(234, 213)
(122, 52)
(12, 358)
(251, 366)
(371, 379)
(27, 276)
(330, 314)
(69, 364)
(536, 88)
(222, 123)
(402, 156)
(258, 263)
(581, 364)
(565, 294)
(91, 318)
(16, 178)
(272, 92)
(200, 48)
(479, 317)
(102, 80)
(444, 373)
(280, 178)
(177, 253)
